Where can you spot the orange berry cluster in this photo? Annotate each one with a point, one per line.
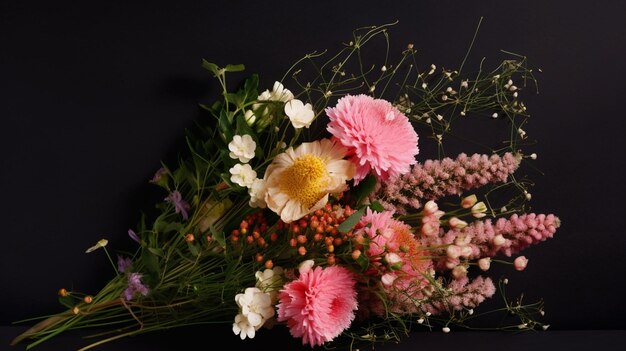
(316, 235)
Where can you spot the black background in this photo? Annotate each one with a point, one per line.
(93, 95)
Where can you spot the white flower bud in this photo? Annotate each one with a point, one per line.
(445, 329)
(484, 263)
(469, 201)
(498, 240)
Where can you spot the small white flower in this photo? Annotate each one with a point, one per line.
(299, 114)
(439, 117)
(99, 244)
(372, 88)
(464, 84)
(495, 115)
(383, 68)
(256, 306)
(270, 281)
(533, 156)
(545, 327)
(424, 85)
(420, 321)
(243, 175)
(470, 311)
(515, 94)
(393, 258)
(257, 194)
(445, 329)
(278, 93)
(243, 328)
(242, 147)
(462, 113)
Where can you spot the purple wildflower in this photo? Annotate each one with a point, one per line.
(158, 175)
(135, 286)
(123, 263)
(134, 235)
(181, 206)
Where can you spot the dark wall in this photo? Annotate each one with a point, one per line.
(94, 95)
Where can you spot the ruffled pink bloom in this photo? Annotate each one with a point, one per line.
(319, 305)
(392, 243)
(378, 136)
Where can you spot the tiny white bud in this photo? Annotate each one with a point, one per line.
(484, 263)
(542, 312)
(464, 84)
(383, 68)
(470, 311)
(512, 88)
(439, 137)
(515, 94)
(522, 326)
(424, 85)
(498, 240)
(503, 209)
(372, 88)
(328, 93)
(439, 117)
(445, 329)
(495, 115)
(510, 82)
(528, 196)
(444, 97)
(432, 69)
(276, 129)
(449, 89)
(420, 321)
(428, 314)
(462, 113)
(533, 156)
(545, 327)
(505, 281)
(428, 120)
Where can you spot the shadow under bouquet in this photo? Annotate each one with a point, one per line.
(306, 207)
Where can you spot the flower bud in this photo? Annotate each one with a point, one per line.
(453, 251)
(393, 258)
(520, 263)
(466, 251)
(457, 223)
(469, 201)
(356, 254)
(479, 209)
(63, 292)
(430, 207)
(250, 117)
(459, 272)
(87, 299)
(429, 229)
(388, 278)
(484, 263)
(498, 240)
(306, 266)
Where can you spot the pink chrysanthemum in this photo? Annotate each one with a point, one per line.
(319, 305)
(404, 284)
(380, 138)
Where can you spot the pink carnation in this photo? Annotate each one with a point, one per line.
(378, 136)
(319, 305)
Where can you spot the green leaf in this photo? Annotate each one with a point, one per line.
(218, 236)
(376, 206)
(67, 301)
(351, 221)
(151, 261)
(235, 68)
(209, 66)
(193, 249)
(251, 87)
(155, 251)
(363, 261)
(364, 188)
(225, 126)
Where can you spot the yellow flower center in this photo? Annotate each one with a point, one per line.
(305, 180)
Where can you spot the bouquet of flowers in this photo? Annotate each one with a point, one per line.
(310, 206)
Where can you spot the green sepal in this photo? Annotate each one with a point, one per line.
(67, 301)
(364, 188)
(351, 221)
(218, 236)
